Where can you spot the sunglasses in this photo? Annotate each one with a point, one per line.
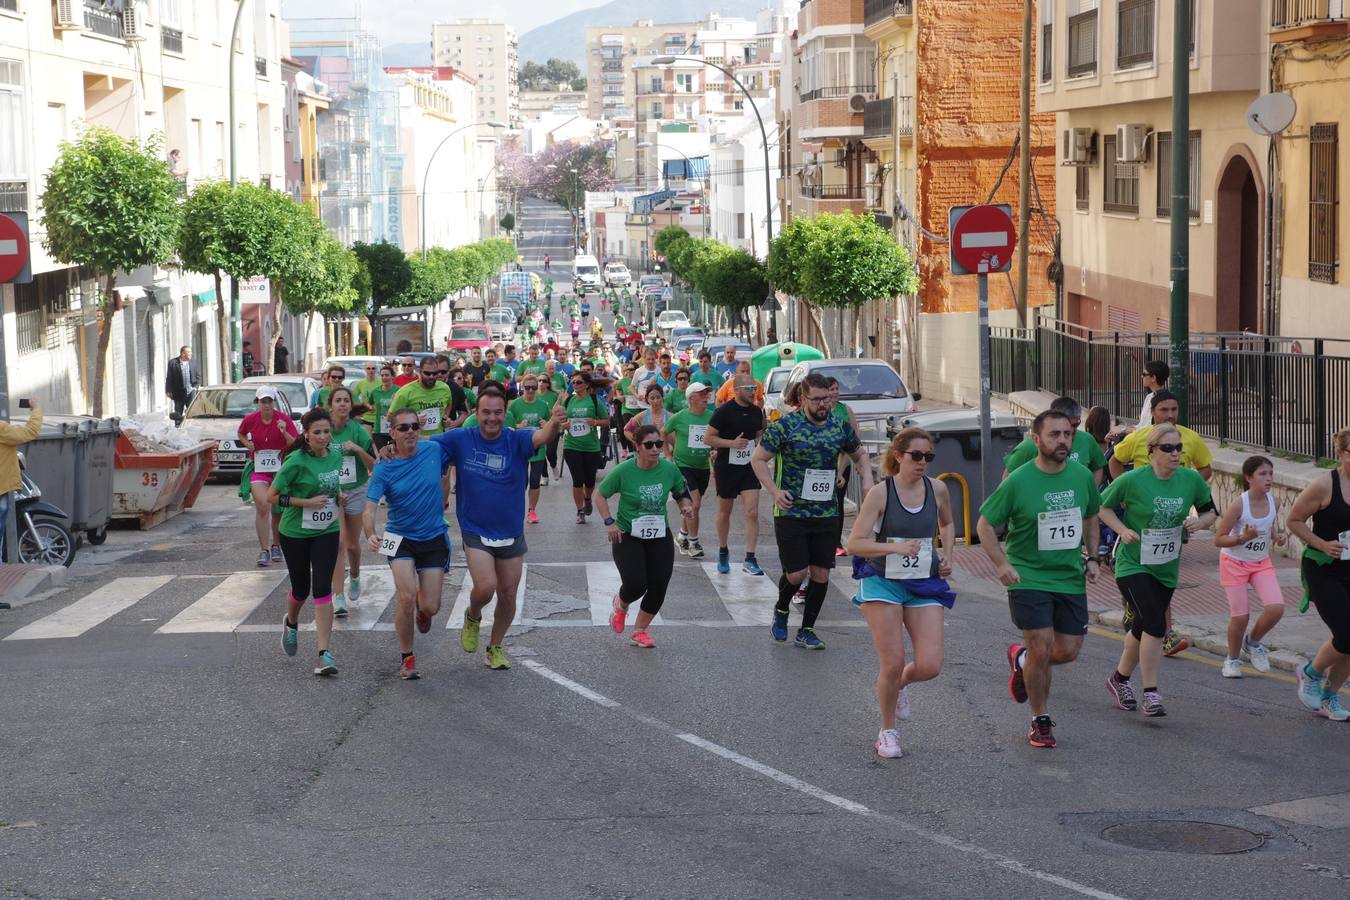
(651, 445)
(530, 387)
(1168, 448)
(443, 372)
(406, 365)
(919, 455)
(405, 426)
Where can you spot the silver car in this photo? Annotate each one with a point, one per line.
(870, 387)
(295, 389)
(216, 411)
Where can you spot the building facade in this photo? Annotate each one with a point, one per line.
(613, 50)
(490, 53)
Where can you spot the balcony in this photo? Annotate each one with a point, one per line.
(612, 66)
(171, 40)
(260, 66)
(838, 93)
(103, 21)
(13, 196)
(1302, 19)
(877, 11)
(832, 191)
(880, 118)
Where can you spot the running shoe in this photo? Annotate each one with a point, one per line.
(695, 549)
(779, 628)
(1174, 643)
(618, 616)
(468, 634)
(497, 658)
(1153, 705)
(264, 558)
(840, 551)
(423, 621)
(1123, 692)
(354, 588)
(408, 670)
(902, 708)
(1041, 734)
(807, 640)
(643, 639)
(1309, 689)
(751, 566)
(723, 561)
(1331, 709)
(888, 744)
(276, 554)
(290, 638)
(589, 508)
(532, 517)
(543, 480)
(1232, 668)
(1256, 652)
(581, 517)
(682, 543)
(340, 606)
(1017, 685)
(326, 665)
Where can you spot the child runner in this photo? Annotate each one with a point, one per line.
(1245, 532)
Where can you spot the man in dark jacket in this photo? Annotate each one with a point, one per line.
(181, 382)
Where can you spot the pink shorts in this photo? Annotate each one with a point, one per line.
(261, 477)
(1235, 576)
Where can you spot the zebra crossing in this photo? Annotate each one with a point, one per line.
(551, 595)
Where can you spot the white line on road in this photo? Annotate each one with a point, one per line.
(602, 584)
(747, 598)
(92, 609)
(820, 793)
(225, 607)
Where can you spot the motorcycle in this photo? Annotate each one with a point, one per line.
(43, 539)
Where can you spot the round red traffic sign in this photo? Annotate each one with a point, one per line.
(984, 234)
(13, 249)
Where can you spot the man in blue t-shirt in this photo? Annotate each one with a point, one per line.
(493, 467)
(408, 479)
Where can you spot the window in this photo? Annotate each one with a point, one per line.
(1134, 33)
(11, 5)
(740, 226)
(656, 109)
(1323, 191)
(1164, 165)
(1047, 40)
(1082, 59)
(13, 161)
(1082, 181)
(1120, 181)
(684, 82)
(655, 84)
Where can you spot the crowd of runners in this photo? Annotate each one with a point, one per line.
(1077, 498)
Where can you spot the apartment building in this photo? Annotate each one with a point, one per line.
(611, 54)
(1104, 68)
(490, 53)
(534, 104)
(307, 101)
(140, 70)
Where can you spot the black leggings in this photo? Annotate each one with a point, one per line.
(537, 472)
(645, 567)
(311, 560)
(624, 442)
(552, 452)
(1148, 599)
(583, 464)
(1329, 590)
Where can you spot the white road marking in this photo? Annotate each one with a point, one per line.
(602, 583)
(377, 592)
(92, 609)
(225, 607)
(748, 599)
(819, 793)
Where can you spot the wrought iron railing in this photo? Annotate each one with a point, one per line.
(1293, 13)
(171, 40)
(875, 11)
(833, 191)
(102, 21)
(841, 92)
(13, 196)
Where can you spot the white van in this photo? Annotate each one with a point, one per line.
(586, 276)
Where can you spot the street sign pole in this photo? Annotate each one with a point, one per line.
(16, 267)
(986, 437)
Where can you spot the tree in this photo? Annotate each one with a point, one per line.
(203, 246)
(564, 171)
(387, 269)
(735, 281)
(508, 222)
(536, 77)
(109, 203)
(667, 236)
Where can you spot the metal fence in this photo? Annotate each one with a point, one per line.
(1280, 393)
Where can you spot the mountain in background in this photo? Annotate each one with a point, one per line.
(565, 38)
(415, 54)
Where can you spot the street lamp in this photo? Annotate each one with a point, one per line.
(427, 174)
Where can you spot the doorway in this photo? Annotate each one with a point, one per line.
(1237, 273)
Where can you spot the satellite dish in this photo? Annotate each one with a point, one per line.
(1271, 114)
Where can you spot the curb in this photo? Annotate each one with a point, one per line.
(1201, 639)
(35, 582)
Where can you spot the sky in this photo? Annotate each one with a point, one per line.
(404, 21)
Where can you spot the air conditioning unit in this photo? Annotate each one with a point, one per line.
(857, 103)
(133, 23)
(1132, 143)
(1080, 147)
(68, 15)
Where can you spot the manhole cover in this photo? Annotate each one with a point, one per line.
(1180, 836)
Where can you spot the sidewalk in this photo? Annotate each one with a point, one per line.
(1199, 607)
(17, 582)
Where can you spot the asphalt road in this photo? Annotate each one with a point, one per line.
(145, 764)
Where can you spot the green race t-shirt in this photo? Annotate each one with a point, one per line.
(584, 408)
(361, 392)
(432, 404)
(1155, 508)
(323, 395)
(353, 432)
(1044, 513)
(500, 373)
(1085, 451)
(691, 446)
(642, 492)
(712, 377)
(676, 401)
(531, 415)
(306, 476)
(536, 366)
(383, 400)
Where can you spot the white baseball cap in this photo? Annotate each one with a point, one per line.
(696, 387)
(265, 392)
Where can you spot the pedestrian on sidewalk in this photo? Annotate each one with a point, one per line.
(1157, 499)
(903, 585)
(1326, 579)
(1050, 508)
(1244, 534)
(181, 381)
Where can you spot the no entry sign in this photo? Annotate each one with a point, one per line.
(982, 239)
(14, 262)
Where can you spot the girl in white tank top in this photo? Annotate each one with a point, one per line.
(1244, 535)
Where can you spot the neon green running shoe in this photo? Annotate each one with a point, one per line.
(468, 635)
(496, 657)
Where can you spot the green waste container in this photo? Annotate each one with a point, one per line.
(784, 353)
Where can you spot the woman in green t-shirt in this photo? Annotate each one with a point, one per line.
(382, 397)
(628, 410)
(1158, 499)
(581, 446)
(307, 490)
(354, 443)
(640, 533)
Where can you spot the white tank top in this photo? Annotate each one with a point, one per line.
(1258, 548)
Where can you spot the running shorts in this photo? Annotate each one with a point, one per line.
(806, 542)
(508, 548)
(732, 480)
(432, 554)
(696, 479)
(1329, 590)
(1033, 610)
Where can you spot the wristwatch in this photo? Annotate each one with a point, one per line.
(609, 520)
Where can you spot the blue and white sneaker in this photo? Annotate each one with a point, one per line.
(1256, 652)
(354, 588)
(290, 637)
(1309, 689)
(326, 665)
(779, 626)
(751, 567)
(807, 640)
(340, 606)
(1331, 709)
(723, 561)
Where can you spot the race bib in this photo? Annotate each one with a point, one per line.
(1344, 538)
(496, 543)
(1061, 529)
(431, 419)
(697, 437)
(578, 427)
(818, 484)
(901, 567)
(384, 424)
(1255, 550)
(740, 456)
(319, 518)
(1159, 546)
(348, 473)
(266, 461)
(648, 527)
(389, 544)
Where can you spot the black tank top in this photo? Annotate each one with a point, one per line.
(1329, 523)
(898, 522)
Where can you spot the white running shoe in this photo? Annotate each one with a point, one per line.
(902, 708)
(1232, 668)
(1257, 654)
(1331, 709)
(888, 744)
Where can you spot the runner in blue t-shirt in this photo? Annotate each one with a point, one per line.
(493, 467)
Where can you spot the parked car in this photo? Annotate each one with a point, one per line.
(617, 275)
(464, 336)
(586, 276)
(870, 387)
(216, 412)
(671, 319)
(775, 383)
(688, 344)
(717, 346)
(353, 363)
(685, 331)
(650, 283)
(297, 389)
(501, 321)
